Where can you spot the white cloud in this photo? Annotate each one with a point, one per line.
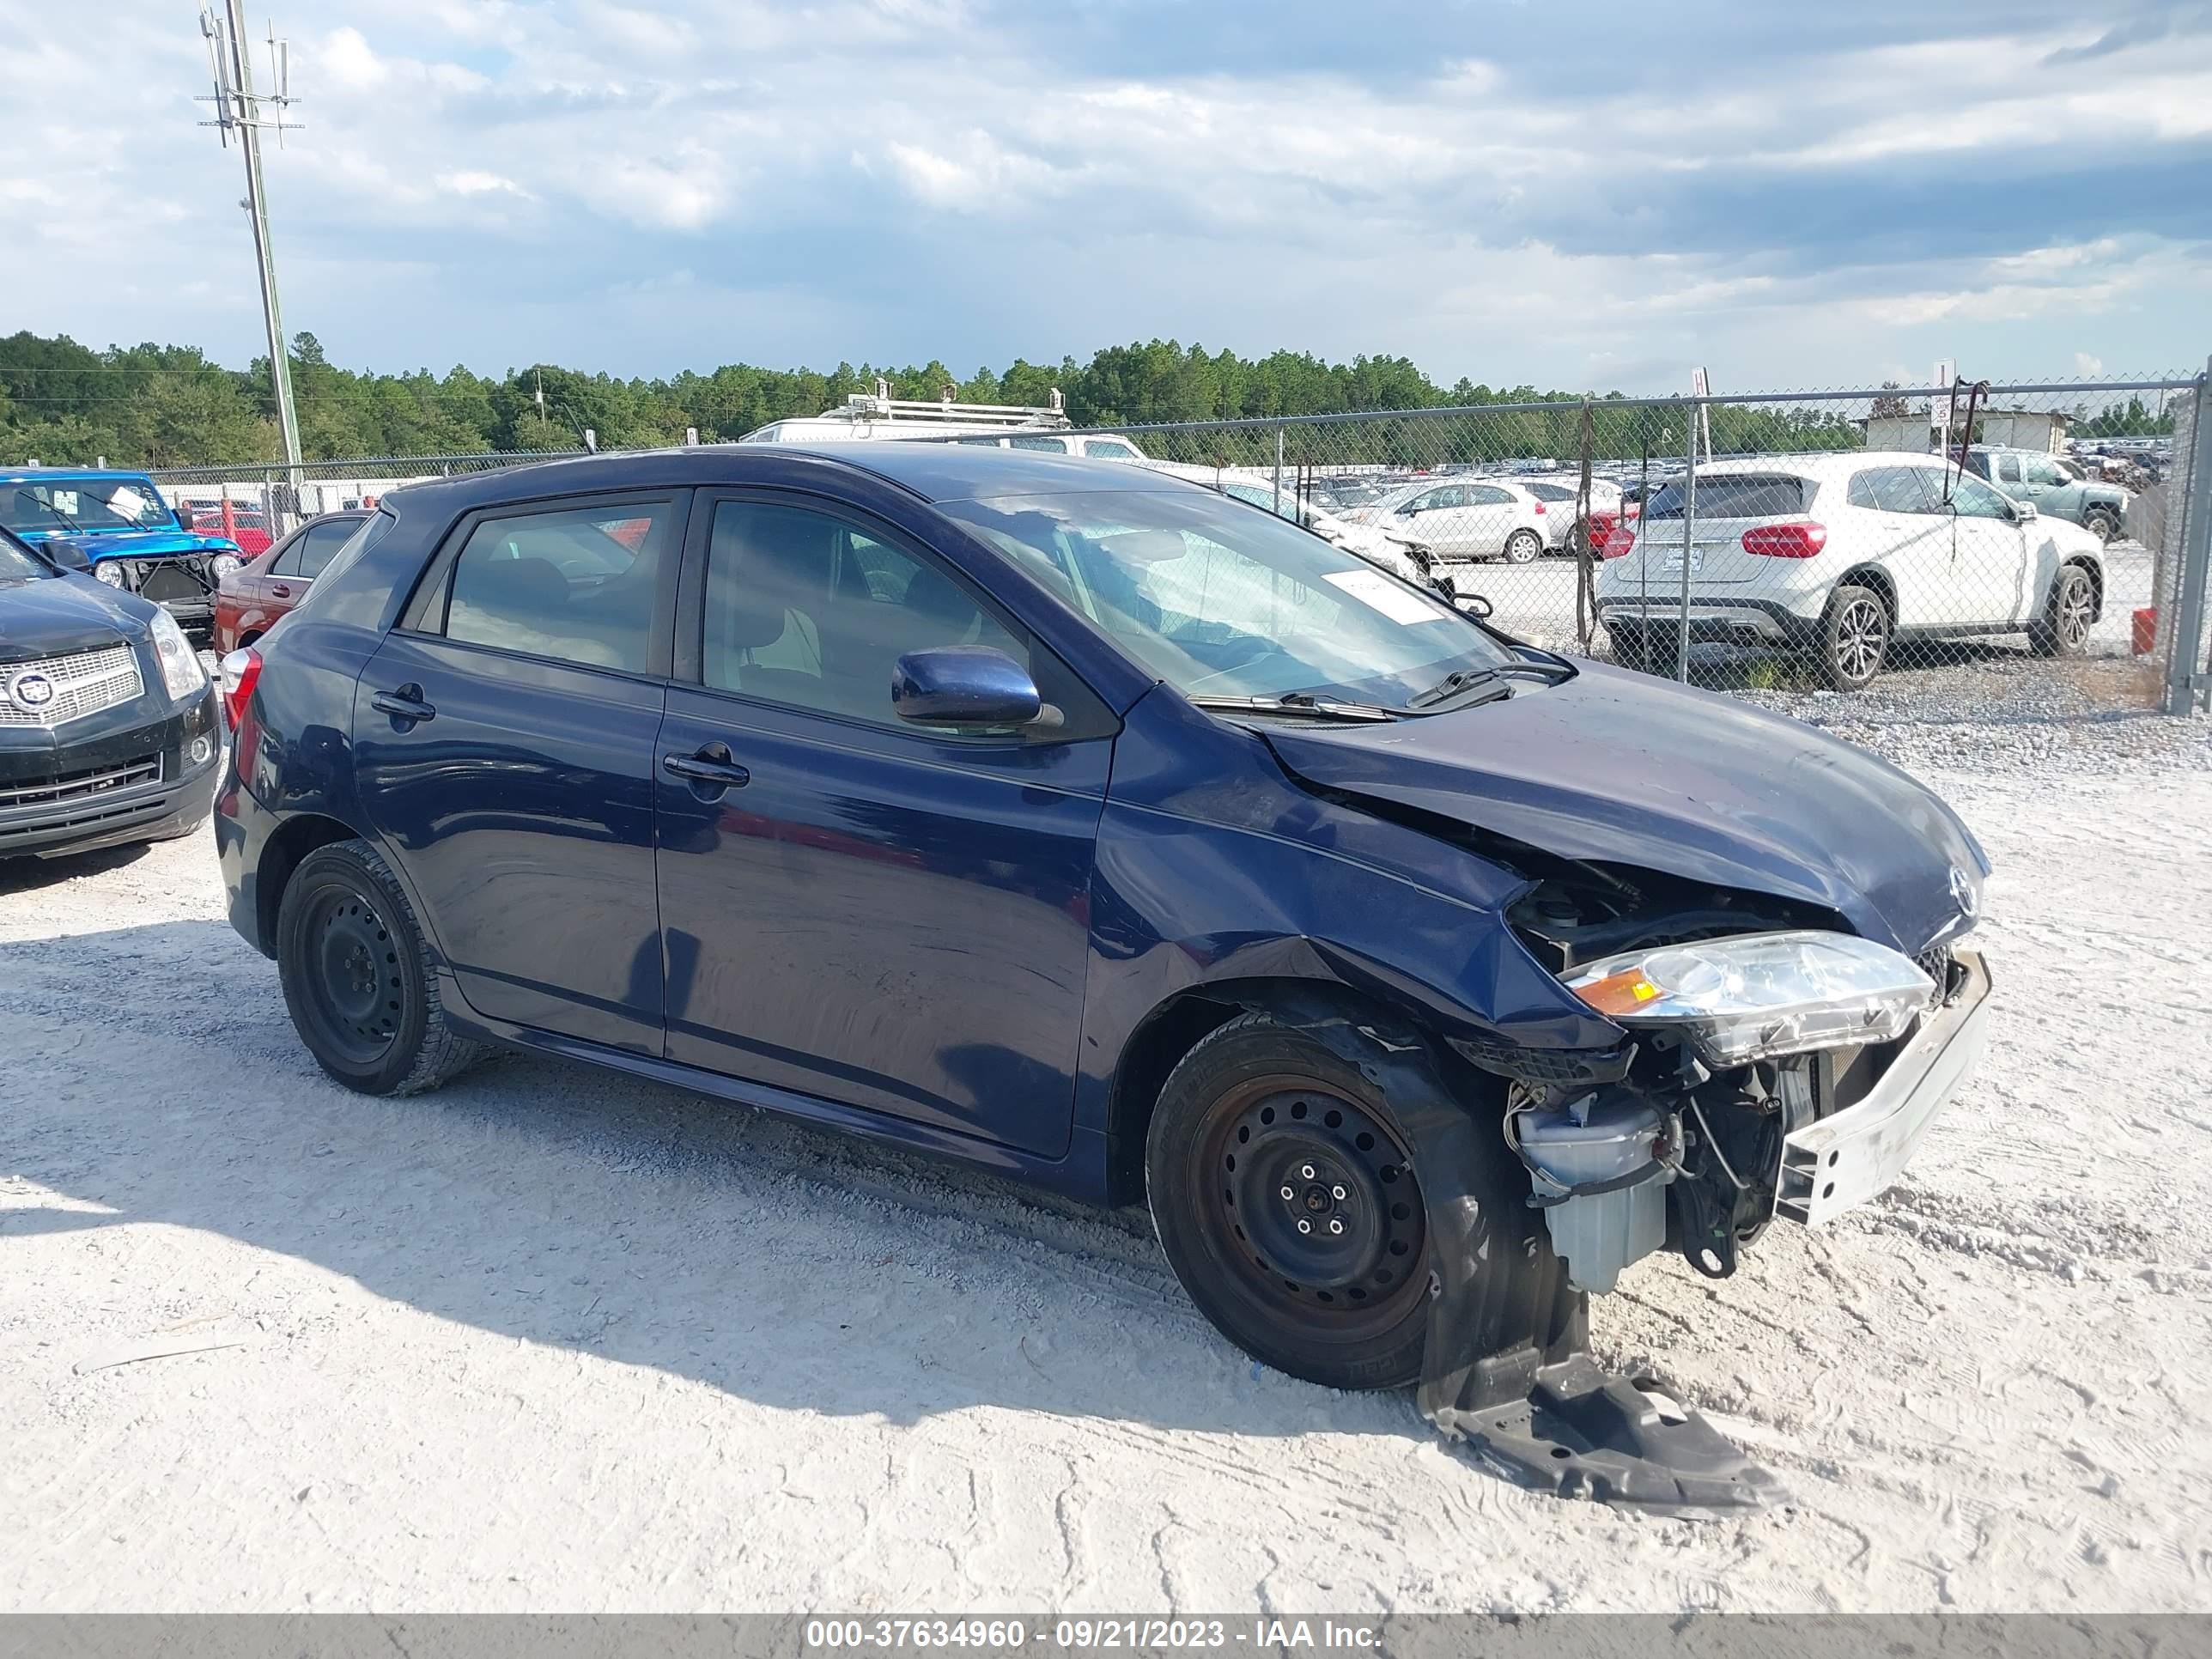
(1511, 215)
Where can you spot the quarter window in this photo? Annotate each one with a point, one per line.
(1105, 449)
(2009, 469)
(801, 608)
(578, 585)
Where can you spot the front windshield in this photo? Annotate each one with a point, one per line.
(1220, 601)
(18, 563)
(77, 504)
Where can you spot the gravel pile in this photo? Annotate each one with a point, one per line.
(2002, 716)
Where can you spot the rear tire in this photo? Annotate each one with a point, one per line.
(1854, 638)
(357, 976)
(1523, 547)
(2100, 523)
(1253, 1111)
(2064, 629)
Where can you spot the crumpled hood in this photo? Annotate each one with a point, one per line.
(1624, 768)
(53, 617)
(134, 543)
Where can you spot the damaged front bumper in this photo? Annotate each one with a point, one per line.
(1848, 1156)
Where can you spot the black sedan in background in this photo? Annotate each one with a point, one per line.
(108, 728)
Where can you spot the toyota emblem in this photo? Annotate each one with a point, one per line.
(31, 692)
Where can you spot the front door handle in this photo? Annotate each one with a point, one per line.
(279, 590)
(405, 703)
(709, 771)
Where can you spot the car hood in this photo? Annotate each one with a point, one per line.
(1623, 768)
(134, 543)
(54, 617)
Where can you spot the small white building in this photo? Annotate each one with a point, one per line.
(2013, 428)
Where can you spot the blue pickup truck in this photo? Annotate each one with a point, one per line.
(116, 526)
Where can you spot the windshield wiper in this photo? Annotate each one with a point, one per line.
(1302, 704)
(1463, 679)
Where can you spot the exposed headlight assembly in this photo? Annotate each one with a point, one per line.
(1758, 995)
(224, 566)
(109, 572)
(180, 664)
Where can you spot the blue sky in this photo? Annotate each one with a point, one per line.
(1563, 194)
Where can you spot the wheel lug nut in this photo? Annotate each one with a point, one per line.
(1288, 1194)
(1304, 1225)
(1337, 1192)
(1336, 1226)
(1305, 1171)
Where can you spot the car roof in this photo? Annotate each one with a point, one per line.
(42, 474)
(1822, 465)
(933, 472)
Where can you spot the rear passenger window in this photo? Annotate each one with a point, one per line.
(1104, 449)
(1893, 489)
(577, 585)
(2009, 469)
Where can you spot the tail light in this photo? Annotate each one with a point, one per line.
(1786, 541)
(236, 675)
(1540, 509)
(1620, 541)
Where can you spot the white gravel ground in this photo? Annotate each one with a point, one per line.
(551, 1338)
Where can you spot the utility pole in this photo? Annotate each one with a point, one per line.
(239, 109)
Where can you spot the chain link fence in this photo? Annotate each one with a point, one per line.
(1798, 540)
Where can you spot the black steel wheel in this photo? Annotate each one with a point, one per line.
(356, 976)
(1854, 638)
(1287, 1203)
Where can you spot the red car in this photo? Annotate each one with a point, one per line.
(246, 525)
(249, 601)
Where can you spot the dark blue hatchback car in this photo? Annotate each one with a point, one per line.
(1086, 824)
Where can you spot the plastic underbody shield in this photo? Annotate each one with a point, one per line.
(1508, 1368)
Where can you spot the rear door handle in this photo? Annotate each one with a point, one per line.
(711, 767)
(404, 704)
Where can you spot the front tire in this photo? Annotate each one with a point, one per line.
(1256, 1110)
(1854, 638)
(357, 979)
(2064, 629)
(1523, 547)
(2100, 523)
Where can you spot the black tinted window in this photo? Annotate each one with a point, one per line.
(803, 609)
(1733, 497)
(1547, 492)
(578, 585)
(311, 550)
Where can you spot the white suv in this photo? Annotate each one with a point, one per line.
(1846, 556)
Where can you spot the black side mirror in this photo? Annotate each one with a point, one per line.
(188, 518)
(963, 685)
(68, 555)
(1475, 605)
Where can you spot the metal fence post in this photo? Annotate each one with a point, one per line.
(1279, 473)
(1689, 538)
(2187, 678)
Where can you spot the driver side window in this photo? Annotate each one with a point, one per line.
(1973, 499)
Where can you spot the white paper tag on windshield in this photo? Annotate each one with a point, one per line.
(126, 502)
(1378, 593)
